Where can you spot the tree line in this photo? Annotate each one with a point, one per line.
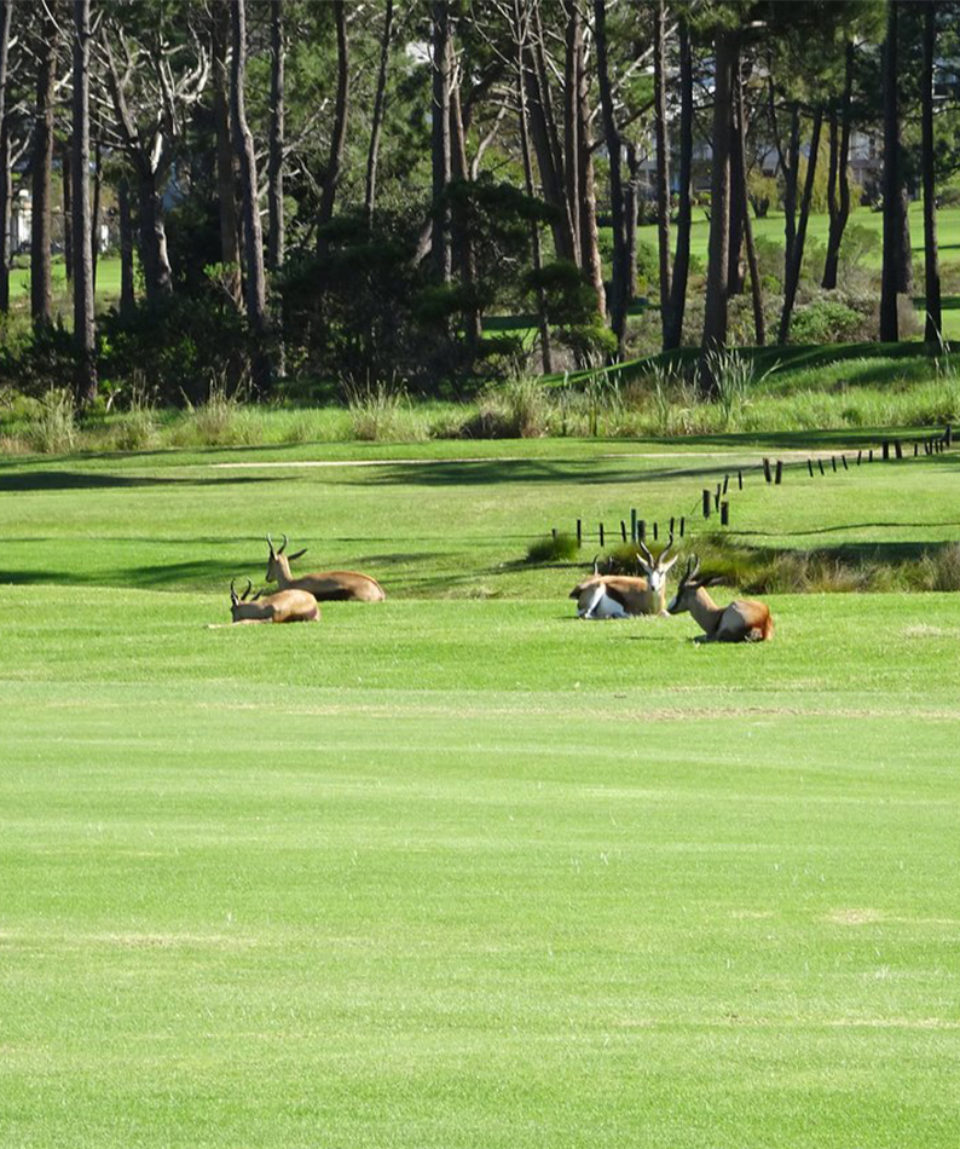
(364, 189)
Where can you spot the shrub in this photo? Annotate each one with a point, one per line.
(829, 321)
(553, 549)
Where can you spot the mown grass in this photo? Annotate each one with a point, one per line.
(459, 870)
(471, 875)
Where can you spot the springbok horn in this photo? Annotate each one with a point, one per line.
(243, 597)
(233, 591)
(663, 553)
(693, 569)
(283, 546)
(270, 545)
(646, 553)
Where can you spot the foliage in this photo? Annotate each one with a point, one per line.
(37, 361)
(176, 347)
(558, 548)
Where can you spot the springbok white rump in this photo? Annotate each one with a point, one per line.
(325, 586)
(744, 620)
(283, 606)
(622, 596)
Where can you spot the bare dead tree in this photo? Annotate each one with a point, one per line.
(338, 139)
(379, 110)
(226, 155)
(255, 290)
(41, 300)
(84, 331)
(152, 88)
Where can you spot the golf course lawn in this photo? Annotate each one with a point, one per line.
(460, 870)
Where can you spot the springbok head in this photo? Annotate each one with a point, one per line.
(278, 562)
(687, 587)
(657, 569)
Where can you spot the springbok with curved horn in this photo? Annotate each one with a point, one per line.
(621, 596)
(325, 586)
(742, 621)
(284, 606)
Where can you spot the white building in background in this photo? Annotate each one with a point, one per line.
(21, 224)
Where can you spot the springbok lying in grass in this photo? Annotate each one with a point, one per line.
(620, 596)
(325, 586)
(284, 606)
(742, 621)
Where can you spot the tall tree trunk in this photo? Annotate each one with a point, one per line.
(586, 184)
(41, 303)
(66, 175)
(933, 328)
(379, 105)
(738, 194)
(275, 235)
(631, 214)
(793, 271)
(6, 9)
(618, 295)
(462, 240)
(839, 206)
(521, 27)
(95, 208)
(226, 155)
(718, 248)
(441, 144)
(338, 139)
(681, 261)
(791, 186)
(128, 299)
(157, 276)
(739, 162)
(662, 139)
(546, 147)
(255, 292)
(84, 332)
(892, 217)
(571, 124)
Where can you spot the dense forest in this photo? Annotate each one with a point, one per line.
(441, 192)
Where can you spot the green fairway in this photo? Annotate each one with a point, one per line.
(459, 870)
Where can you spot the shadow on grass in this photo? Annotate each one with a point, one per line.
(201, 573)
(87, 480)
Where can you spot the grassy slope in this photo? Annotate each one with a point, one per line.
(465, 873)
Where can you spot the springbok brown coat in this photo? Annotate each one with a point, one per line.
(325, 586)
(743, 620)
(283, 606)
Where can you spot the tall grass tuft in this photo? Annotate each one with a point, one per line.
(53, 430)
(378, 410)
(941, 568)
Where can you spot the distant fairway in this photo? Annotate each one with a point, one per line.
(459, 870)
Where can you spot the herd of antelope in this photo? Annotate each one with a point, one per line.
(599, 596)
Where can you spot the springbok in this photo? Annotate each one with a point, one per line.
(325, 586)
(742, 621)
(284, 606)
(620, 596)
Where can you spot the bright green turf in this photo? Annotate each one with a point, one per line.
(465, 873)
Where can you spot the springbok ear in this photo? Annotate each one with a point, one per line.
(666, 566)
(270, 545)
(714, 580)
(297, 554)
